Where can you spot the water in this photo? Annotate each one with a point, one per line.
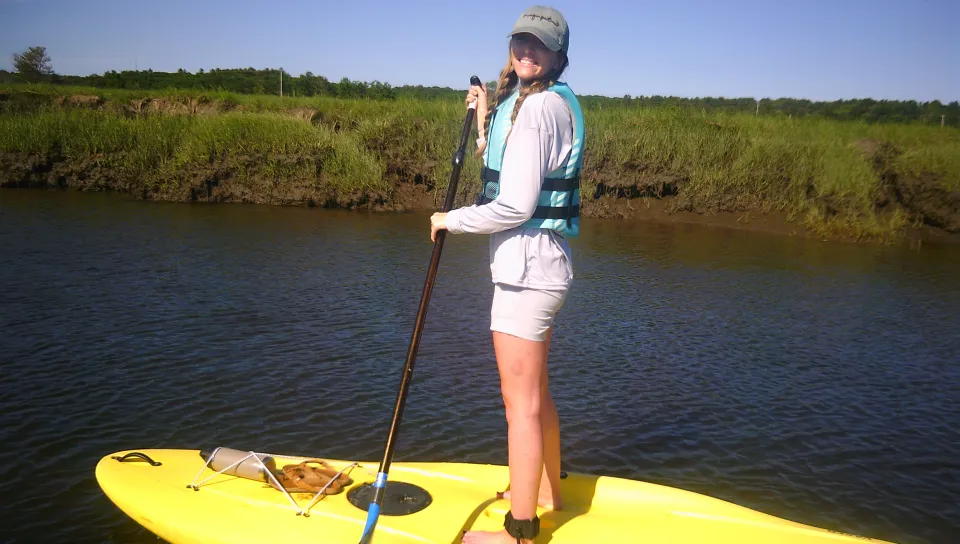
(817, 382)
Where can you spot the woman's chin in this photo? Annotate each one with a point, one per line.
(527, 74)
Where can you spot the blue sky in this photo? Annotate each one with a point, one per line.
(815, 49)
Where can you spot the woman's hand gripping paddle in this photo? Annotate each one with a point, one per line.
(380, 485)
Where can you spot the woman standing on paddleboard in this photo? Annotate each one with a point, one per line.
(532, 147)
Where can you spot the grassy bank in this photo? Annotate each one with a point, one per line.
(840, 180)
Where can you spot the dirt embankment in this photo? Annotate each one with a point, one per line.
(628, 195)
(240, 179)
(633, 193)
(924, 200)
(627, 191)
(25, 102)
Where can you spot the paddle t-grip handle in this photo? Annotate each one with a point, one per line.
(474, 81)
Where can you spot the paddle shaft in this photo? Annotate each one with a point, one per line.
(380, 485)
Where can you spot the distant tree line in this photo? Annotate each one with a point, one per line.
(862, 109)
(238, 80)
(34, 65)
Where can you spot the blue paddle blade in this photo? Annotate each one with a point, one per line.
(373, 511)
(372, 514)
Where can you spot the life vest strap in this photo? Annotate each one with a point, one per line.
(491, 179)
(549, 184)
(559, 212)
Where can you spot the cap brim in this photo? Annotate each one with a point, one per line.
(546, 40)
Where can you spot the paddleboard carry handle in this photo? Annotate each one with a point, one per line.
(137, 456)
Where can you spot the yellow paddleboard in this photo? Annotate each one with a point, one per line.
(234, 510)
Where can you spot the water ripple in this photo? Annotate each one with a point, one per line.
(812, 381)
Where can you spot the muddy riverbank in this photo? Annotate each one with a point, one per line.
(395, 157)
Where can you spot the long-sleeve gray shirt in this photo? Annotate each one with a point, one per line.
(540, 142)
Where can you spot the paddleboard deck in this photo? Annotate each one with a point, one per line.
(230, 509)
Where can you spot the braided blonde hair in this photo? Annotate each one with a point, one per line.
(508, 81)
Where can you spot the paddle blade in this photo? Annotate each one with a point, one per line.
(373, 511)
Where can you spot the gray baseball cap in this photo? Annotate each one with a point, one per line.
(547, 24)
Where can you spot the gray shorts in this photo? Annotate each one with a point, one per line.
(526, 313)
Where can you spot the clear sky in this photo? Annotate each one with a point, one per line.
(815, 49)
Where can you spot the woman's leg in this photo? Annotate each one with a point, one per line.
(550, 426)
(549, 494)
(522, 366)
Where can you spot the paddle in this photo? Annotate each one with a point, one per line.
(380, 485)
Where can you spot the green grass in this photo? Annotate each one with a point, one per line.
(157, 148)
(814, 170)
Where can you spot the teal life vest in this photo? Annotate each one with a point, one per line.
(558, 207)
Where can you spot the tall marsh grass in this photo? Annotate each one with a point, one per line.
(826, 174)
(156, 147)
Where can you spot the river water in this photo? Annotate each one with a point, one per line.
(814, 381)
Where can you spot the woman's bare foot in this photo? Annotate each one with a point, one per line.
(547, 502)
(487, 537)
